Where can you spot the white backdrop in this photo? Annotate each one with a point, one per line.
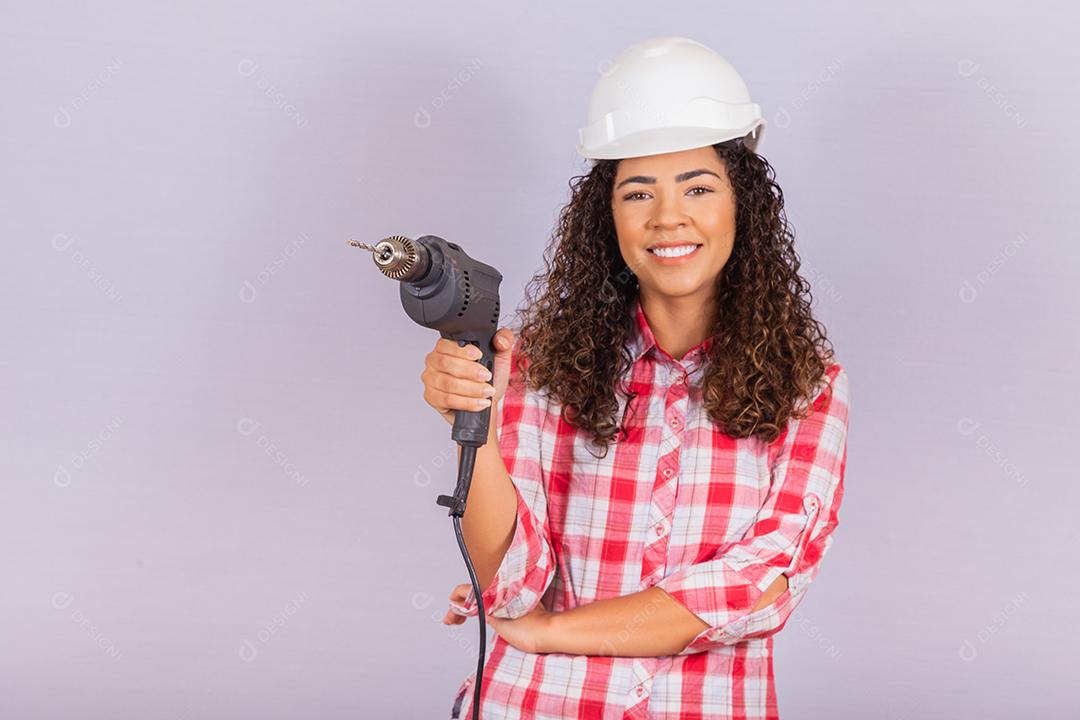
(219, 474)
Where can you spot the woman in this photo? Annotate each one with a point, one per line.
(668, 470)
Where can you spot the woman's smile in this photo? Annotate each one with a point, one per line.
(674, 255)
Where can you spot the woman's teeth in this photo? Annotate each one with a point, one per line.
(673, 251)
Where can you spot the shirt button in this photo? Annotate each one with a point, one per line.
(659, 529)
(667, 472)
(640, 691)
(675, 422)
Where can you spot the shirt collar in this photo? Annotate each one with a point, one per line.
(642, 341)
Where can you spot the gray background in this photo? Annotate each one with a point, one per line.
(219, 474)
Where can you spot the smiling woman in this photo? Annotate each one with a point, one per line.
(675, 231)
(675, 423)
(740, 287)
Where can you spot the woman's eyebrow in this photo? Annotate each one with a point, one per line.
(681, 177)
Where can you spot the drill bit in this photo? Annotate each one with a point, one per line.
(383, 254)
(361, 245)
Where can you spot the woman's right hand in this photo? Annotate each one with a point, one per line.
(454, 379)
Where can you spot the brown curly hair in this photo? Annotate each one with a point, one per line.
(767, 355)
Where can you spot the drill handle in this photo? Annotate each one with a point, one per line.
(471, 426)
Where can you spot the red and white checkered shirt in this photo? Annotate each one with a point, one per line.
(711, 519)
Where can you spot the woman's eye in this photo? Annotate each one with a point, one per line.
(631, 196)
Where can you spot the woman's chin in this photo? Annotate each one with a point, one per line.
(676, 284)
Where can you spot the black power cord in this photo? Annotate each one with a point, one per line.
(456, 503)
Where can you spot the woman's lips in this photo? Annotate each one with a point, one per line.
(677, 260)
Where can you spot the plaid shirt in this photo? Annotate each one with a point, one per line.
(711, 519)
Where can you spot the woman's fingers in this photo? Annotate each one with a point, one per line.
(460, 592)
(458, 595)
(454, 380)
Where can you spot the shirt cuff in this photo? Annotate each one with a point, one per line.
(524, 574)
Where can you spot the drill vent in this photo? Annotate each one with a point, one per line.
(468, 291)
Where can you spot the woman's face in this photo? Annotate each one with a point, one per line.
(656, 201)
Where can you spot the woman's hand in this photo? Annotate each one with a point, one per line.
(530, 633)
(455, 380)
(458, 595)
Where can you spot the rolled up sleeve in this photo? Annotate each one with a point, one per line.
(791, 533)
(528, 566)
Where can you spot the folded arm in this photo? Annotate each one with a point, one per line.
(648, 623)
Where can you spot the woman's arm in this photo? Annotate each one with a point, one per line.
(490, 517)
(648, 623)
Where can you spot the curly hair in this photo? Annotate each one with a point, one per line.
(768, 354)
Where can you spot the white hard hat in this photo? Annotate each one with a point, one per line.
(667, 94)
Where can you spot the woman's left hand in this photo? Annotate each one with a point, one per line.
(529, 633)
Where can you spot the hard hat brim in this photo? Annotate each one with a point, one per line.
(658, 141)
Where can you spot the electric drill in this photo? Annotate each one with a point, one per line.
(444, 289)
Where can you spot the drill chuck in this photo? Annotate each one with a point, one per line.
(400, 258)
